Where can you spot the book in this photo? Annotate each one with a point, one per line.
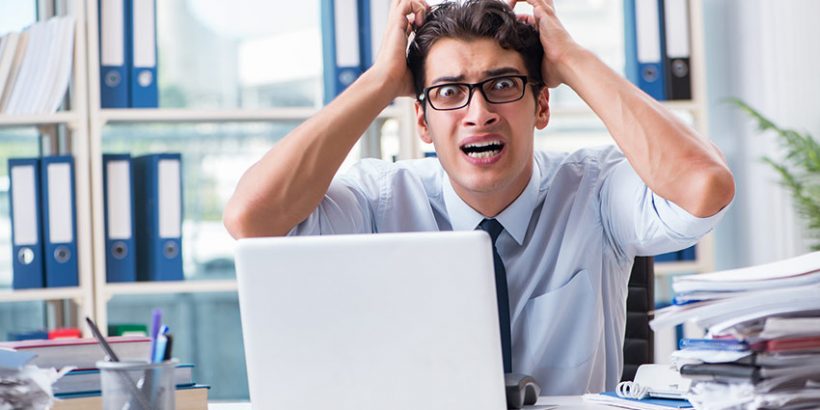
(65, 333)
(7, 52)
(127, 329)
(733, 345)
(36, 71)
(89, 380)
(188, 398)
(81, 353)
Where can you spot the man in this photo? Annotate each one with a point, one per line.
(572, 223)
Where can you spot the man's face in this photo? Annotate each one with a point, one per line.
(485, 148)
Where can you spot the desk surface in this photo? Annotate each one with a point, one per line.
(544, 403)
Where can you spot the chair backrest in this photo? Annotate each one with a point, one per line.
(639, 342)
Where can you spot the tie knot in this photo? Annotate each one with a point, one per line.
(492, 227)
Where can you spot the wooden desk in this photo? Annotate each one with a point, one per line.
(544, 403)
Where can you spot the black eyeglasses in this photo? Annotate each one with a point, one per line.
(496, 90)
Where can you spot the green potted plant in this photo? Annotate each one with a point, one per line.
(799, 170)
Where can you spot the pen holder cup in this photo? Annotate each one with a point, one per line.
(138, 385)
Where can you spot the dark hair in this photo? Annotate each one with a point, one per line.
(475, 19)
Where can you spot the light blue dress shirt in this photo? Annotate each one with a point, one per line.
(568, 244)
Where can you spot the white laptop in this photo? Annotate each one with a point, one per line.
(387, 321)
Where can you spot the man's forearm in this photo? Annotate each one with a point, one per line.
(287, 184)
(672, 158)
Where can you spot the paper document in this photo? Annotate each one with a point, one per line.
(776, 270)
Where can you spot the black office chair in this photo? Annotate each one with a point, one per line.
(639, 341)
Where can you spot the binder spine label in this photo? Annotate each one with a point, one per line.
(24, 215)
(170, 218)
(119, 200)
(60, 211)
(144, 31)
(112, 24)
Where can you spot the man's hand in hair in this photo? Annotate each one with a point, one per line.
(558, 44)
(391, 62)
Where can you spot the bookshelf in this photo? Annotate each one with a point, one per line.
(696, 109)
(74, 119)
(85, 123)
(98, 118)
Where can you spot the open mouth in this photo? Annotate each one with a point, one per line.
(487, 149)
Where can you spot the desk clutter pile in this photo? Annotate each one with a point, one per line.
(61, 374)
(762, 346)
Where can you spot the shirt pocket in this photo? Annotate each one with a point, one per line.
(561, 328)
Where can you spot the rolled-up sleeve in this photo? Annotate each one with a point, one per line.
(343, 210)
(638, 222)
(351, 202)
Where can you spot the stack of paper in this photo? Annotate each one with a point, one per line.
(762, 348)
(25, 386)
(35, 67)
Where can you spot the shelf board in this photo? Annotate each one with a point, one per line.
(164, 115)
(584, 110)
(184, 286)
(671, 268)
(35, 295)
(63, 117)
(690, 106)
(176, 115)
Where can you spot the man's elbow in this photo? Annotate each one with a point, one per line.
(716, 188)
(235, 221)
(241, 223)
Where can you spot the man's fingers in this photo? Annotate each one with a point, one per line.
(418, 8)
(542, 4)
(527, 18)
(413, 11)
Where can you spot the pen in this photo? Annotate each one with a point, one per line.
(168, 347)
(155, 327)
(111, 356)
(162, 343)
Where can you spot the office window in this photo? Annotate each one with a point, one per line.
(598, 26)
(207, 333)
(16, 15)
(239, 54)
(214, 157)
(17, 317)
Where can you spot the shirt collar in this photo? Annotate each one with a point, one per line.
(515, 218)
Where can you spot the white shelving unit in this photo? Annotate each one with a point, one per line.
(99, 118)
(697, 108)
(46, 294)
(69, 118)
(86, 122)
(75, 121)
(234, 115)
(153, 288)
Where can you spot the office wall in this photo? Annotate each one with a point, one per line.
(766, 52)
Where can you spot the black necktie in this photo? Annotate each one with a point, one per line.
(494, 228)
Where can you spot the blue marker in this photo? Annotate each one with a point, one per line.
(162, 345)
(155, 326)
